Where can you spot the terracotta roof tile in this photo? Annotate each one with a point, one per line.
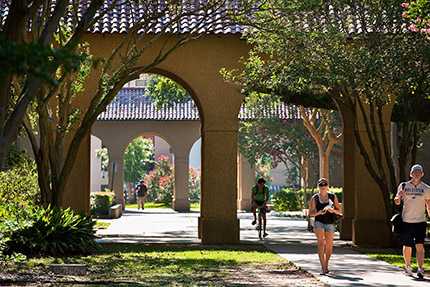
(351, 19)
(132, 104)
(126, 14)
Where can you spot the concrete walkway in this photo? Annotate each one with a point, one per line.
(287, 237)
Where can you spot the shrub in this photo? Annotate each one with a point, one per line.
(101, 202)
(160, 181)
(289, 199)
(48, 231)
(338, 191)
(19, 185)
(194, 186)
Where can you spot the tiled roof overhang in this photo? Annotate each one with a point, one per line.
(131, 104)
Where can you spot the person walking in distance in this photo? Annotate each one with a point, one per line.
(324, 206)
(141, 192)
(415, 196)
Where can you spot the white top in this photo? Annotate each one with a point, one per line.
(414, 201)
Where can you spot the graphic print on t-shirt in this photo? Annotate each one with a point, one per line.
(414, 191)
(414, 201)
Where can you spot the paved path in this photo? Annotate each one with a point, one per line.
(287, 237)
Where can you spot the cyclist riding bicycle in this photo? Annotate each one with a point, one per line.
(260, 196)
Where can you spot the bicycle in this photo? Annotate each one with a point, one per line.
(261, 210)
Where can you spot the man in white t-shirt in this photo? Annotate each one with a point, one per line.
(415, 195)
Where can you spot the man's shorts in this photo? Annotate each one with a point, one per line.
(413, 233)
(325, 226)
(258, 203)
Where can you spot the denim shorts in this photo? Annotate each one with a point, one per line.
(325, 226)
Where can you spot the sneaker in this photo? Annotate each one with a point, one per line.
(420, 274)
(408, 271)
(265, 234)
(254, 222)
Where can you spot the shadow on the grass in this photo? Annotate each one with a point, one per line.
(117, 264)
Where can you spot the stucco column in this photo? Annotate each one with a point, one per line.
(77, 192)
(218, 223)
(370, 225)
(118, 177)
(349, 179)
(246, 178)
(110, 173)
(180, 195)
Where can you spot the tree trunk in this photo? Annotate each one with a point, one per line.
(3, 153)
(407, 152)
(323, 163)
(305, 178)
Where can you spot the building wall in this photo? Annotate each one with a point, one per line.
(161, 147)
(195, 155)
(96, 166)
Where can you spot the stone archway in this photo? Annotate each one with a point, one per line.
(196, 66)
(116, 135)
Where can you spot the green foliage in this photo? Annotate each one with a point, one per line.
(103, 155)
(19, 185)
(418, 12)
(289, 199)
(276, 141)
(272, 140)
(138, 160)
(312, 63)
(165, 91)
(48, 231)
(36, 59)
(101, 202)
(160, 181)
(324, 64)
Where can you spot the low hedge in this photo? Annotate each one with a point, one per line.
(288, 199)
(101, 202)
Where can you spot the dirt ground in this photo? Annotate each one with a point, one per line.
(247, 275)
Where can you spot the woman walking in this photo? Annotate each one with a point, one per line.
(324, 206)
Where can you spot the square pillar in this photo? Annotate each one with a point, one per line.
(180, 195)
(349, 154)
(218, 223)
(370, 223)
(246, 180)
(118, 177)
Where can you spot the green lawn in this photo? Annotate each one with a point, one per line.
(395, 257)
(148, 205)
(102, 224)
(161, 265)
(194, 206)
